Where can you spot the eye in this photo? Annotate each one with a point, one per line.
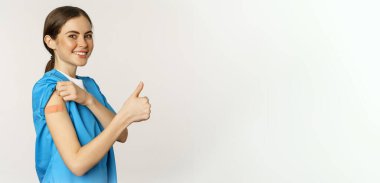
(73, 36)
(89, 36)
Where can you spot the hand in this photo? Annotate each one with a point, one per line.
(70, 91)
(136, 108)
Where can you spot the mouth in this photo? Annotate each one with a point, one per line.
(81, 54)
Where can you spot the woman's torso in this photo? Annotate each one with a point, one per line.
(49, 164)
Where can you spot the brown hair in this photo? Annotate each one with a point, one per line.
(53, 24)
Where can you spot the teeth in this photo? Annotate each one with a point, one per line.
(80, 53)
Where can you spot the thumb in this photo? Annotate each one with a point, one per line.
(137, 91)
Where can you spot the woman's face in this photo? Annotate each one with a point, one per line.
(74, 43)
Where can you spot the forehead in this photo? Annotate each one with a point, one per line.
(79, 24)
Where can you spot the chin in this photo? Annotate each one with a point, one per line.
(81, 64)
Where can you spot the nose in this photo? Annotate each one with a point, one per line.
(81, 41)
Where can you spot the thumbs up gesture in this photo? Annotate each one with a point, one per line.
(136, 108)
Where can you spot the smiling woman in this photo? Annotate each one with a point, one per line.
(74, 44)
(75, 125)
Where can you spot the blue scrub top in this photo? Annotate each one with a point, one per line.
(49, 164)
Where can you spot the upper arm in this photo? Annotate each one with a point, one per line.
(62, 130)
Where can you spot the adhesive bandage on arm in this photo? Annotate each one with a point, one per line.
(54, 108)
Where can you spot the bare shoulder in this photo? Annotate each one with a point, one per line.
(56, 104)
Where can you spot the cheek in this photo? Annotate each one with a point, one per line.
(69, 45)
(90, 42)
(90, 45)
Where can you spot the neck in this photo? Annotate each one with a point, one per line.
(69, 70)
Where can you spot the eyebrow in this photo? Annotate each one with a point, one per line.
(76, 32)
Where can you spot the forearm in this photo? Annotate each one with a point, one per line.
(91, 153)
(104, 115)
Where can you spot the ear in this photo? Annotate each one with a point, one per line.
(50, 42)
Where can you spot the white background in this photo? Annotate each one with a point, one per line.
(275, 91)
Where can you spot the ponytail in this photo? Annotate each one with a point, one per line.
(50, 64)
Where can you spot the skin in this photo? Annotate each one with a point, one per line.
(76, 35)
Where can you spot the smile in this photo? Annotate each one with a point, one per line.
(81, 53)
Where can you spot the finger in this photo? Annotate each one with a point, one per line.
(61, 88)
(64, 93)
(66, 82)
(147, 99)
(139, 88)
(63, 83)
(67, 98)
(70, 87)
(58, 86)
